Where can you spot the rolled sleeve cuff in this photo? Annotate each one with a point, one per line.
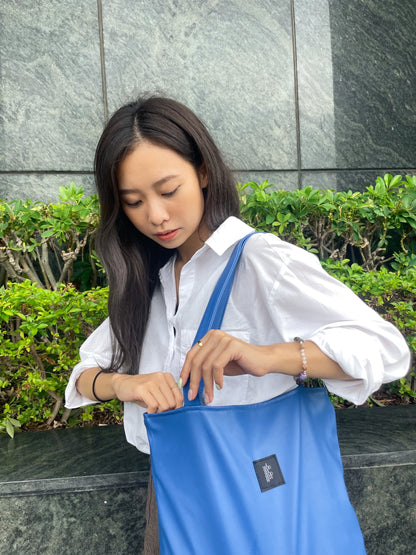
(74, 399)
(368, 361)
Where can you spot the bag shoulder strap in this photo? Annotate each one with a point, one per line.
(214, 312)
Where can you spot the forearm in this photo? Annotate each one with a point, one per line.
(156, 391)
(285, 358)
(218, 354)
(103, 386)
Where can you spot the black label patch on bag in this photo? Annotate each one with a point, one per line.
(268, 473)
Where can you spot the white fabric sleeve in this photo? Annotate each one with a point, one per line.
(95, 351)
(371, 355)
(307, 302)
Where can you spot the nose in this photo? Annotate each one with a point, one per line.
(156, 212)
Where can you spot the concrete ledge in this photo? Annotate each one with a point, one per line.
(83, 491)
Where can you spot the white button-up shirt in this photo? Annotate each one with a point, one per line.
(280, 291)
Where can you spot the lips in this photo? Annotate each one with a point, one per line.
(167, 235)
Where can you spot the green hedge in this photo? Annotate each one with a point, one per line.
(44, 318)
(50, 244)
(374, 228)
(42, 332)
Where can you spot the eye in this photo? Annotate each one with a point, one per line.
(170, 193)
(133, 204)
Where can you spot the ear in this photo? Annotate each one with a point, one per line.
(203, 175)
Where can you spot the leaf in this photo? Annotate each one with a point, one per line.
(10, 428)
(396, 179)
(48, 233)
(380, 188)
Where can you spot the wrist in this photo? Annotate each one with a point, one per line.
(101, 386)
(302, 376)
(286, 358)
(116, 379)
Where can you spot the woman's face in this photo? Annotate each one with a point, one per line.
(161, 194)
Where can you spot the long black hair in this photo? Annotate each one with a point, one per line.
(132, 261)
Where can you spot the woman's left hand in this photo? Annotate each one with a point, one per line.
(218, 354)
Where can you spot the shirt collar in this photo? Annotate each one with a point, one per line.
(227, 235)
(224, 237)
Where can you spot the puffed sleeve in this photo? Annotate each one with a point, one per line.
(307, 302)
(95, 351)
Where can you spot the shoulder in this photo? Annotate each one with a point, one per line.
(101, 333)
(268, 249)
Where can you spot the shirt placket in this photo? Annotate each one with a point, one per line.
(176, 316)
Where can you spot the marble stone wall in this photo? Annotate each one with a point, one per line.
(293, 91)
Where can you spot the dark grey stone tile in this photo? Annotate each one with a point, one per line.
(277, 180)
(88, 523)
(230, 61)
(315, 84)
(319, 180)
(354, 180)
(377, 436)
(374, 79)
(51, 101)
(80, 451)
(40, 186)
(357, 85)
(384, 499)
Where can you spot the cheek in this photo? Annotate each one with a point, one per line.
(199, 199)
(135, 218)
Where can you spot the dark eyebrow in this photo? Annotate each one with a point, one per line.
(155, 184)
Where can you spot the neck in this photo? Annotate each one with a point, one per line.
(186, 251)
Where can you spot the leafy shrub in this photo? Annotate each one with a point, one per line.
(374, 228)
(51, 243)
(42, 331)
(393, 296)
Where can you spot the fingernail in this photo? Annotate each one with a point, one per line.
(217, 385)
(179, 382)
(190, 395)
(205, 399)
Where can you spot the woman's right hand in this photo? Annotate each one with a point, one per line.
(157, 392)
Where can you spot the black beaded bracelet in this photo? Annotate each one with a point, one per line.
(93, 388)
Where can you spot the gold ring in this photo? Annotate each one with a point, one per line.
(200, 343)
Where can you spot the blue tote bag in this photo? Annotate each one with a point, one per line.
(259, 479)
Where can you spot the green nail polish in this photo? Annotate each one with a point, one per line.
(180, 383)
(217, 385)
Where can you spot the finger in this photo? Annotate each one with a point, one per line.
(178, 396)
(160, 393)
(207, 362)
(200, 367)
(189, 364)
(149, 402)
(175, 389)
(195, 377)
(224, 353)
(199, 364)
(213, 371)
(160, 401)
(166, 392)
(171, 396)
(190, 369)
